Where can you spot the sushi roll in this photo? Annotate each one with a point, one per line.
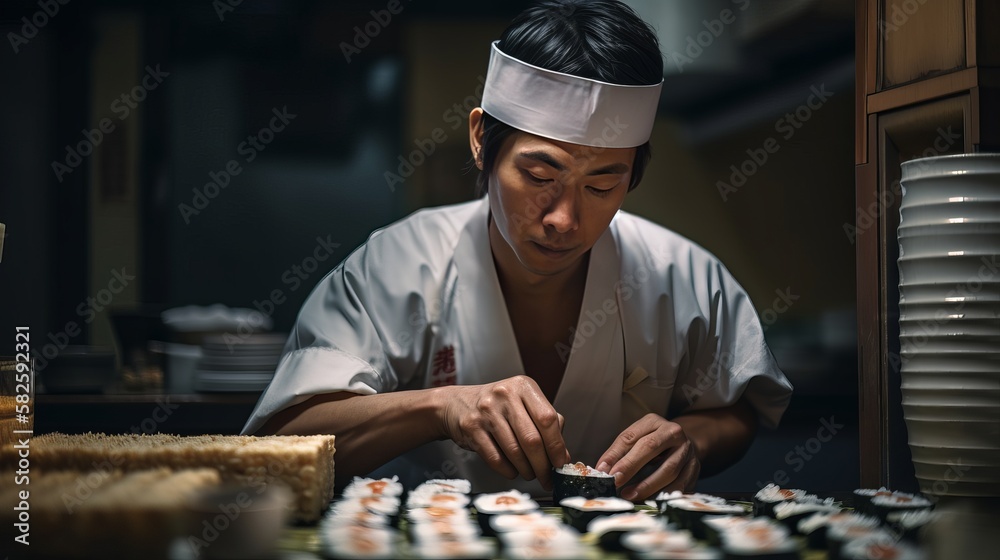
(689, 513)
(379, 506)
(866, 549)
(609, 530)
(790, 513)
(841, 533)
(759, 539)
(814, 527)
(458, 530)
(353, 542)
(554, 543)
(716, 525)
(454, 485)
(770, 496)
(365, 487)
(664, 498)
(490, 505)
(661, 543)
(511, 522)
(577, 479)
(474, 549)
(909, 524)
(440, 499)
(897, 502)
(578, 511)
(436, 513)
(863, 498)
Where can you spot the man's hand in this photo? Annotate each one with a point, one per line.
(510, 424)
(654, 441)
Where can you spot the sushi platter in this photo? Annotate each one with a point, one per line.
(378, 518)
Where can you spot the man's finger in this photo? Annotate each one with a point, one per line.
(666, 473)
(548, 425)
(484, 445)
(510, 445)
(688, 477)
(623, 444)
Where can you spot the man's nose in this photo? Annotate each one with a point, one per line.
(562, 213)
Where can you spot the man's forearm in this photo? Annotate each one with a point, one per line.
(371, 429)
(721, 436)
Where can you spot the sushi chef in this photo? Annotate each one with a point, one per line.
(539, 324)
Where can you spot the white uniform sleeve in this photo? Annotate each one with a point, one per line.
(360, 330)
(727, 356)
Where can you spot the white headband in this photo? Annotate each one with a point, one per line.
(568, 108)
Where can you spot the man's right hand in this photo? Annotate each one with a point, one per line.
(510, 424)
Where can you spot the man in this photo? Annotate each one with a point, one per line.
(538, 324)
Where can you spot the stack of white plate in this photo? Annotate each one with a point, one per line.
(238, 363)
(949, 321)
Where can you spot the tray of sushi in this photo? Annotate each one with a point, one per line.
(379, 518)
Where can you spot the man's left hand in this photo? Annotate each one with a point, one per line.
(652, 440)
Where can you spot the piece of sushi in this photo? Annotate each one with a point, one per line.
(663, 498)
(716, 525)
(881, 548)
(511, 522)
(365, 487)
(578, 511)
(771, 495)
(759, 539)
(863, 498)
(456, 530)
(790, 513)
(440, 499)
(842, 533)
(662, 539)
(814, 527)
(552, 543)
(384, 506)
(436, 513)
(609, 530)
(498, 503)
(689, 513)
(454, 485)
(909, 524)
(353, 542)
(474, 549)
(577, 479)
(898, 501)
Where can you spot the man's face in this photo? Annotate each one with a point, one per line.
(552, 200)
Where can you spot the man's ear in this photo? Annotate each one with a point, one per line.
(476, 135)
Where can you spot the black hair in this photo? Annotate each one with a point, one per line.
(598, 39)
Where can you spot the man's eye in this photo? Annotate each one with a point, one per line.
(537, 180)
(600, 192)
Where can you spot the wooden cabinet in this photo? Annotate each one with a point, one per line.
(928, 83)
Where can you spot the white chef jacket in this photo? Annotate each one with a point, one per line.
(663, 328)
